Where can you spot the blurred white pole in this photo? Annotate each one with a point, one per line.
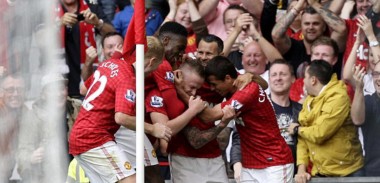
(140, 113)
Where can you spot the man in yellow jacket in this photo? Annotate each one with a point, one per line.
(326, 135)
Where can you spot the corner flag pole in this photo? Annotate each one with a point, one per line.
(140, 37)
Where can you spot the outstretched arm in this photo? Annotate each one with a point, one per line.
(358, 104)
(244, 20)
(269, 50)
(208, 9)
(199, 25)
(338, 25)
(351, 60)
(172, 12)
(88, 67)
(280, 39)
(347, 9)
(365, 24)
(157, 130)
(255, 7)
(337, 5)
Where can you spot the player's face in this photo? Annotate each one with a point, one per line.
(254, 60)
(324, 52)
(280, 78)
(183, 16)
(206, 51)
(110, 44)
(192, 82)
(312, 26)
(307, 82)
(68, 2)
(362, 6)
(13, 92)
(371, 60)
(219, 86)
(175, 49)
(230, 17)
(376, 78)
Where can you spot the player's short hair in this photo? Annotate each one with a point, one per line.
(155, 48)
(172, 28)
(195, 66)
(324, 40)
(110, 34)
(284, 62)
(309, 10)
(322, 70)
(243, 10)
(219, 67)
(234, 7)
(210, 38)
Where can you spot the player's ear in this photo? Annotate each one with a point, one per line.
(152, 61)
(227, 78)
(165, 40)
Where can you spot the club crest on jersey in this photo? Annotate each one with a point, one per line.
(127, 165)
(130, 96)
(154, 154)
(156, 101)
(169, 76)
(236, 104)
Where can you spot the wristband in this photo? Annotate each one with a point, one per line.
(373, 43)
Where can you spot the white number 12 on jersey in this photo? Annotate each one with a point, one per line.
(87, 100)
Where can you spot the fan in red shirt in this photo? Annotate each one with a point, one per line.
(109, 103)
(263, 148)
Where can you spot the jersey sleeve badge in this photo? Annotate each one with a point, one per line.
(169, 76)
(236, 105)
(130, 96)
(156, 101)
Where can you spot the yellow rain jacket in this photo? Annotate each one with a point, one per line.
(327, 135)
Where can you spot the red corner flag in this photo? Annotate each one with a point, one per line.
(136, 32)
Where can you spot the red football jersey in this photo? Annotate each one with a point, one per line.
(178, 143)
(162, 77)
(208, 95)
(111, 89)
(296, 90)
(262, 145)
(362, 52)
(295, 35)
(191, 47)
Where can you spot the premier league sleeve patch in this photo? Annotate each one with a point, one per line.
(169, 76)
(130, 96)
(156, 101)
(236, 105)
